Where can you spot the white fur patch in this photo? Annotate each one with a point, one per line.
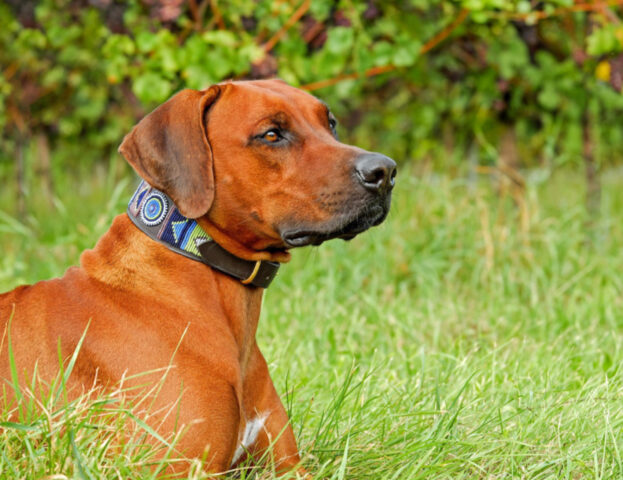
(251, 430)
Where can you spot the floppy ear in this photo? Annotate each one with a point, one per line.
(169, 149)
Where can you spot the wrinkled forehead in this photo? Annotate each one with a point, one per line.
(252, 101)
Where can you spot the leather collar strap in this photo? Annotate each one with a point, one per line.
(155, 214)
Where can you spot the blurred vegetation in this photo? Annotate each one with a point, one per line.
(494, 85)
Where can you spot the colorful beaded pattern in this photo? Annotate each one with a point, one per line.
(150, 208)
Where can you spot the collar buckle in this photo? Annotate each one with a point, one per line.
(251, 277)
(257, 273)
(154, 213)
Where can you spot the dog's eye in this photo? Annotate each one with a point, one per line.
(272, 136)
(333, 125)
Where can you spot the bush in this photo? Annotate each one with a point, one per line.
(426, 79)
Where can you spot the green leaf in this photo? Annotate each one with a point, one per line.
(152, 88)
(605, 40)
(340, 40)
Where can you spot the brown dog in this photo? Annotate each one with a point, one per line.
(258, 165)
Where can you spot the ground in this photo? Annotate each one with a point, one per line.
(454, 341)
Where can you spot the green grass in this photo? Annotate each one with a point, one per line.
(449, 343)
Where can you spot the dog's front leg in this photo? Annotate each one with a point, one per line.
(268, 426)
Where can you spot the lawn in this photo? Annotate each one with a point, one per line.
(464, 338)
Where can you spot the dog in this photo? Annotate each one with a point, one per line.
(233, 177)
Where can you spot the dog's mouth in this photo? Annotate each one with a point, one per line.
(346, 228)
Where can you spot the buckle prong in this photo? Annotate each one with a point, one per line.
(251, 277)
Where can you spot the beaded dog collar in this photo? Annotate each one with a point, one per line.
(155, 214)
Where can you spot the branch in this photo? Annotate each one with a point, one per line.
(427, 47)
(578, 7)
(218, 16)
(296, 16)
(347, 76)
(441, 36)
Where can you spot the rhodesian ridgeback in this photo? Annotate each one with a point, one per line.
(234, 176)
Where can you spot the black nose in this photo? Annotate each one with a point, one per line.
(376, 172)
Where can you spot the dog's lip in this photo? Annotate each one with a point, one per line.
(349, 229)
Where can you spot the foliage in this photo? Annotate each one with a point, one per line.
(451, 342)
(458, 74)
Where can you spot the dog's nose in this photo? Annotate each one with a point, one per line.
(376, 172)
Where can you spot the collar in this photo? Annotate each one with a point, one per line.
(155, 214)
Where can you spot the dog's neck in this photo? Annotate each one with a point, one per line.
(126, 260)
(155, 214)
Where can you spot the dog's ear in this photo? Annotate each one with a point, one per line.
(169, 149)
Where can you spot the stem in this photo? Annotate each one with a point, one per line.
(428, 46)
(296, 16)
(593, 180)
(20, 178)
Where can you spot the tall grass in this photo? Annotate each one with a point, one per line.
(457, 340)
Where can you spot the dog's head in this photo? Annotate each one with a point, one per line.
(259, 165)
